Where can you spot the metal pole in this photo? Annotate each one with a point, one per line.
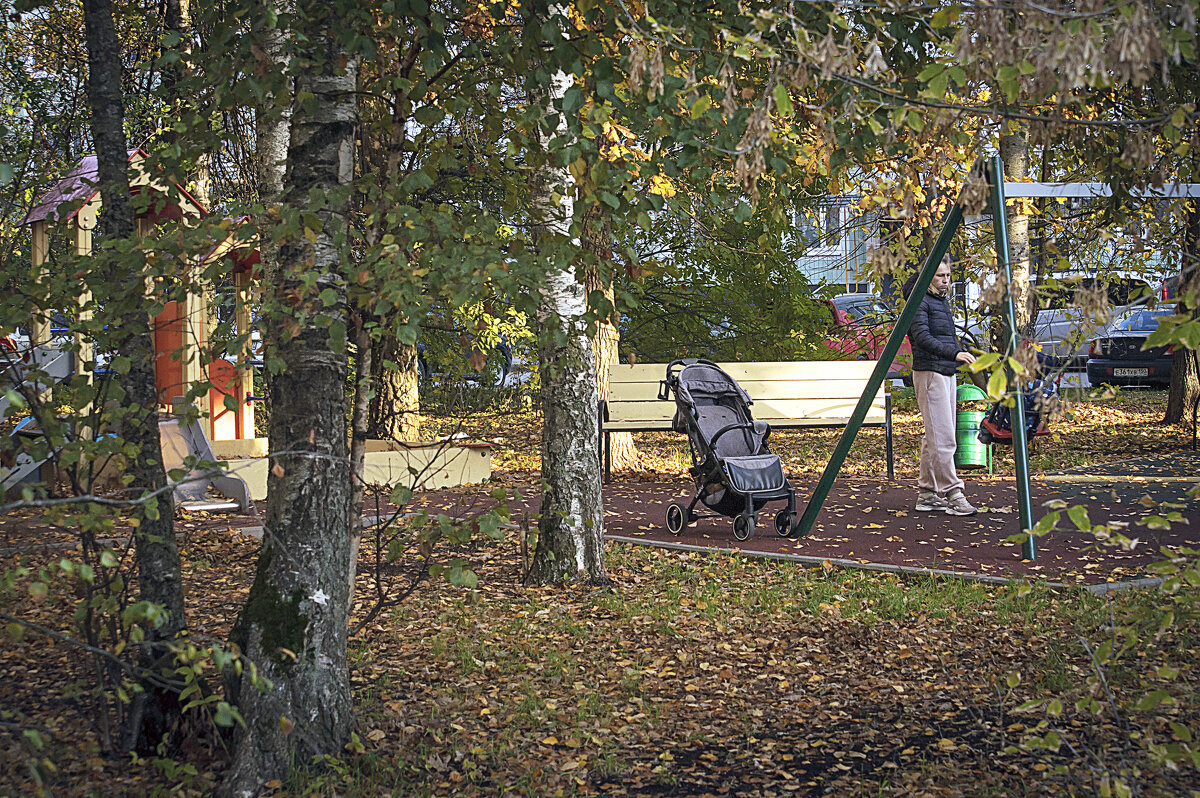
(1020, 450)
(940, 247)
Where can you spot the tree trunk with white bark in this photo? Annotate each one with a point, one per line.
(295, 620)
(1014, 153)
(570, 545)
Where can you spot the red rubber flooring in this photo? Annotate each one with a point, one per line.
(869, 521)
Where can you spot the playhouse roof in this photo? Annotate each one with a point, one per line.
(79, 187)
(240, 246)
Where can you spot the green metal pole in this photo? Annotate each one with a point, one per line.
(1020, 452)
(940, 247)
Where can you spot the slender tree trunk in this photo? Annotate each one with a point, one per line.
(598, 241)
(1185, 363)
(272, 122)
(395, 413)
(570, 545)
(1014, 152)
(295, 619)
(156, 711)
(358, 438)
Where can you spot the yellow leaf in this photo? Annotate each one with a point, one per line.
(661, 186)
(550, 741)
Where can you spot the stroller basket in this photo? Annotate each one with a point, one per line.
(735, 472)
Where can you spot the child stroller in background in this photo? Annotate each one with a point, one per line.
(735, 472)
(996, 426)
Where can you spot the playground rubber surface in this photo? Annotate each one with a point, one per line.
(872, 522)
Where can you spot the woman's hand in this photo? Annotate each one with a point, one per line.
(965, 357)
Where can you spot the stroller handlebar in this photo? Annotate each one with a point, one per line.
(673, 369)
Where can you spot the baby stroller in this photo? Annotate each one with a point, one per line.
(734, 470)
(996, 426)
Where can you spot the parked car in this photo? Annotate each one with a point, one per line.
(868, 323)
(1062, 336)
(862, 324)
(1117, 356)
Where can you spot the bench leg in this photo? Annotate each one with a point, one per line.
(887, 435)
(607, 457)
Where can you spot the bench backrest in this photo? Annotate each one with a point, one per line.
(782, 391)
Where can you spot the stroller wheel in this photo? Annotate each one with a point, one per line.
(783, 523)
(743, 527)
(676, 518)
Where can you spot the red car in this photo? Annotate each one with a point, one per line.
(862, 324)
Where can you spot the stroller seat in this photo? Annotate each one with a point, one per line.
(735, 471)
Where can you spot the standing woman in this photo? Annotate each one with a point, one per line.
(936, 355)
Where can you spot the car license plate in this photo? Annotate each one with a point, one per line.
(1131, 372)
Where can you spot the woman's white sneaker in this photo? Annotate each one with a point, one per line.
(929, 502)
(957, 504)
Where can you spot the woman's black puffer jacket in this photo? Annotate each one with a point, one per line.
(934, 342)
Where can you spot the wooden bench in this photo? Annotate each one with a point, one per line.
(787, 395)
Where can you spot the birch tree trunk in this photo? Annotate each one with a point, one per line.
(295, 619)
(155, 711)
(272, 122)
(570, 545)
(1014, 153)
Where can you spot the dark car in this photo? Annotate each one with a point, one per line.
(1116, 356)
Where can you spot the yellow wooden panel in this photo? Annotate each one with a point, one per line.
(766, 370)
(758, 390)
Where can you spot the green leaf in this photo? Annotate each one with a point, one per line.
(489, 524)
(983, 362)
(783, 101)
(997, 385)
(6, 174)
(1079, 516)
(573, 100)
(702, 104)
(329, 297)
(944, 17)
(1153, 699)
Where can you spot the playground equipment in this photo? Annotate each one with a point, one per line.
(991, 171)
(181, 330)
(31, 374)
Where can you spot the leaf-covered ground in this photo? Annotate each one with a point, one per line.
(694, 674)
(1094, 430)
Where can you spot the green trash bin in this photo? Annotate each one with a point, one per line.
(971, 452)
